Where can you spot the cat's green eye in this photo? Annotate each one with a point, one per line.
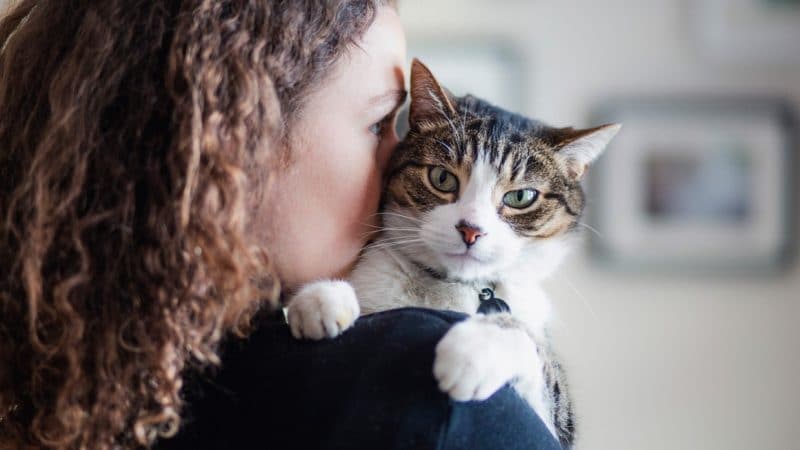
(520, 199)
(442, 179)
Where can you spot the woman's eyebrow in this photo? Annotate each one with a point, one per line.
(395, 96)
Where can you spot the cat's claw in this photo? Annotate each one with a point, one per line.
(324, 309)
(473, 360)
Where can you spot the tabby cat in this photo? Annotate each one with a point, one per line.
(475, 198)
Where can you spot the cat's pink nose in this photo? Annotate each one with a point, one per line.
(469, 233)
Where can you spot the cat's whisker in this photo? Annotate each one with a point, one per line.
(449, 149)
(463, 135)
(396, 239)
(383, 227)
(464, 125)
(395, 229)
(440, 108)
(400, 238)
(592, 229)
(374, 232)
(580, 296)
(420, 231)
(440, 241)
(378, 230)
(385, 245)
(371, 225)
(443, 235)
(401, 228)
(402, 216)
(388, 245)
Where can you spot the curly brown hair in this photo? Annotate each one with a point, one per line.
(133, 138)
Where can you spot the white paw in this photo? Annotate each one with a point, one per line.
(322, 310)
(473, 359)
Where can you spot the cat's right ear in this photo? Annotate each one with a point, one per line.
(430, 102)
(580, 147)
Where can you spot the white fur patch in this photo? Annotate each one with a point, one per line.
(324, 309)
(475, 359)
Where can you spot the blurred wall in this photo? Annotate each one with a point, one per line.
(655, 361)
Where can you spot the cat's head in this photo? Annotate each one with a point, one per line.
(474, 190)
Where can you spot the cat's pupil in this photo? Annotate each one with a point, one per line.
(520, 196)
(442, 177)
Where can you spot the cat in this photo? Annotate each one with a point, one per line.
(475, 197)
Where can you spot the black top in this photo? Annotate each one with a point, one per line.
(371, 388)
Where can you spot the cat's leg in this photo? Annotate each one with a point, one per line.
(323, 309)
(557, 396)
(544, 387)
(478, 356)
(481, 354)
(546, 390)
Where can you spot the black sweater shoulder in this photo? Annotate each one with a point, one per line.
(371, 388)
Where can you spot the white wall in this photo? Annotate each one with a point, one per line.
(656, 362)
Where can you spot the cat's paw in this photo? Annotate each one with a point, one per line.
(324, 309)
(474, 359)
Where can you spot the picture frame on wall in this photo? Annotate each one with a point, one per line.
(695, 185)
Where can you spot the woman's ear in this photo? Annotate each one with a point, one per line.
(582, 147)
(430, 102)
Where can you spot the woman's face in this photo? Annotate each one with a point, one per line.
(323, 206)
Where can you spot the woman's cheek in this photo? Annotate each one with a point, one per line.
(372, 198)
(364, 177)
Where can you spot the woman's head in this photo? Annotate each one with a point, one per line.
(135, 146)
(323, 204)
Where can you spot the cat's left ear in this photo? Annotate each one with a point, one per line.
(579, 148)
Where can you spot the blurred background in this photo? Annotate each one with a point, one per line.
(678, 319)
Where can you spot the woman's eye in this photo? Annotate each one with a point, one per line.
(520, 199)
(442, 179)
(377, 127)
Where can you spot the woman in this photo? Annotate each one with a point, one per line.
(162, 166)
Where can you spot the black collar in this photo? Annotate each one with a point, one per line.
(437, 275)
(431, 272)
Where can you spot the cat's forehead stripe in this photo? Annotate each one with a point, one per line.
(517, 157)
(504, 154)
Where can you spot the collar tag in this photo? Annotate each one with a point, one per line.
(491, 304)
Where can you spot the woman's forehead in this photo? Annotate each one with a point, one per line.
(374, 68)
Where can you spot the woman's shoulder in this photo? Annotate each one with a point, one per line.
(316, 392)
(372, 387)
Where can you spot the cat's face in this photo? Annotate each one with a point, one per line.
(473, 190)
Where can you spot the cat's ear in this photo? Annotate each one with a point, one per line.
(429, 100)
(579, 148)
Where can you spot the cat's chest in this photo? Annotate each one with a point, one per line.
(447, 295)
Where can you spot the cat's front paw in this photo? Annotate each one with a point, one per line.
(474, 359)
(324, 309)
